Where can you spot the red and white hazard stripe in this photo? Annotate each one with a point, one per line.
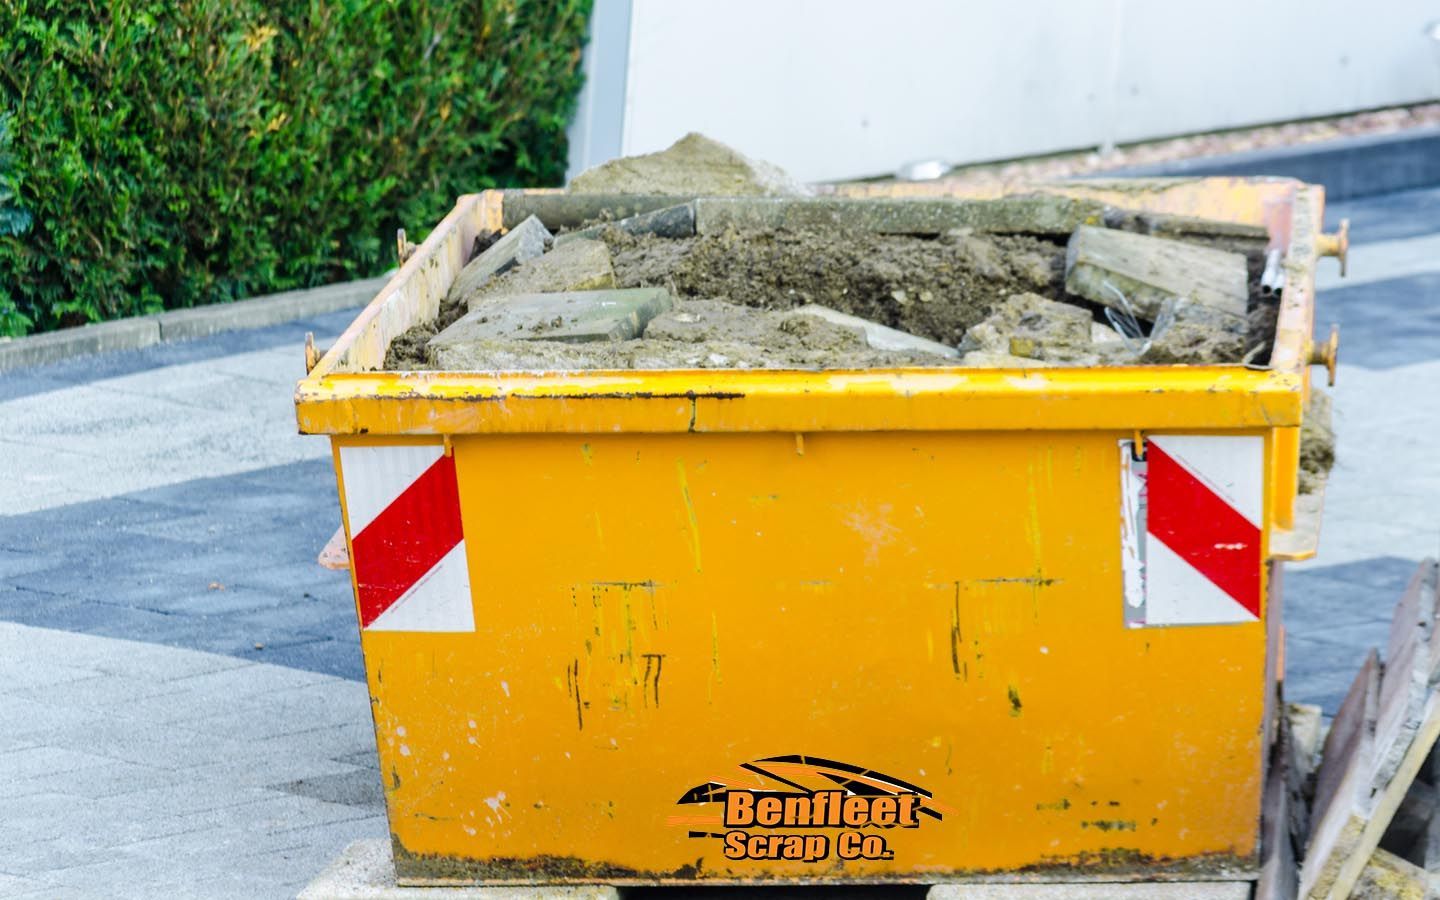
(1190, 529)
(402, 505)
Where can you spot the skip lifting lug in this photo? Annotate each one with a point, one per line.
(1327, 354)
(1137, 447)
(1336, 245)
(403, 248)
(312, 353)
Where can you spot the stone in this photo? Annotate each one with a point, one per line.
(1026, 214)
(579, 265)
(671, 222)
(571, 317)
(1191, 336)
(880, 337)
(525, 241)
(1137, 273)
(693, 166)
(1036, 328)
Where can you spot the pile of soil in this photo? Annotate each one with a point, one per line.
(936, 288)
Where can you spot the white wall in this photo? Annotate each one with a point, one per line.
(846, 88)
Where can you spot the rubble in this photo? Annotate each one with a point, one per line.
(525, 241)
(570, 317)
(580, 265)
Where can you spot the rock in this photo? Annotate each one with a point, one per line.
(879, 337)
(1195, 340)
(1034, 327)
(523, 242)
(1028, 214)
(573, 317)
(580, 265)
(1101, 264)
(670, 222)
(694, 166)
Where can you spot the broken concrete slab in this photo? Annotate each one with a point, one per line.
(525, 241)
(671, 222)
(1136, 273)
(1028, 214)
(571, 317)
(580, 265)
(695, 165)
(561, 210)
(880, 337)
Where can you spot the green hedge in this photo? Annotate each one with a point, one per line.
(170, 154)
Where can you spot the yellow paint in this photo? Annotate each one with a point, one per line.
(1141, 717)
(907, 570)
(689, 512)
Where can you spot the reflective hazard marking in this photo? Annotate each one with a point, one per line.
(407, 545)
(1190, 529)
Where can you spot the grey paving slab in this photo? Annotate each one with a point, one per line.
(1385, 323)
(1388, 217)
(224, 801)
(147, 570)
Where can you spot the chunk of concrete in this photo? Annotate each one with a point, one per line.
(693, 166)
(1034, 327)
(523, 242)
(572, 317)
(671, 222)
(1120, 269)
(880, 337)
(579, 265)
(561, 210)
(1028, 214)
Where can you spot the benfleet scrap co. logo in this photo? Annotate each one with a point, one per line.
(807, 808)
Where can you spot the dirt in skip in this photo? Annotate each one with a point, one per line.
(935, 287)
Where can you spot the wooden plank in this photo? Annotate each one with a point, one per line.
(1303, 725)
(1406, 681)
(1149, 271)
(1360, 803)
(1278, 877)
(1344, 768)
